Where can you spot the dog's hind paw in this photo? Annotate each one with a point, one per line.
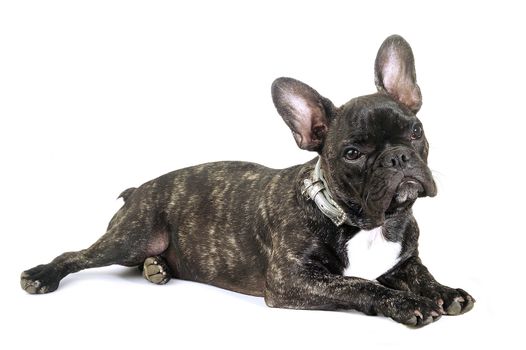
(155, 270)
(40, 279)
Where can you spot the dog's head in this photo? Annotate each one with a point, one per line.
(373, 148)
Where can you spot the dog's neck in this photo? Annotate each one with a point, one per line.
(316, 189)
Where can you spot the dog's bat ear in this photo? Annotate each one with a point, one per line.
(395, 74)
(304, 110)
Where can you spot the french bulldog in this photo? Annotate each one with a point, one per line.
(334, 233)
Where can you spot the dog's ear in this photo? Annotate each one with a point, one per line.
(395, 74)
(304, 110)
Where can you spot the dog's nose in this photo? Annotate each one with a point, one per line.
(396, 159)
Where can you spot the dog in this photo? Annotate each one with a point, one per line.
(334, 233)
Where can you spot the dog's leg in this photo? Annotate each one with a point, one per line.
(324, 291)
(412, 275)
(131, 238)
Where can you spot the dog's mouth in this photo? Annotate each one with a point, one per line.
(391, 193)
(409, 189)
(401, 193)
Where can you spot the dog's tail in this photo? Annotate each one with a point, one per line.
(126, 194)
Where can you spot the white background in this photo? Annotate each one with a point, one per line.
(98, 96)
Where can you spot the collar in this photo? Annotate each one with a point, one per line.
(316, 188)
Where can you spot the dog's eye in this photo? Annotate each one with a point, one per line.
(352, 154)
(417, 132)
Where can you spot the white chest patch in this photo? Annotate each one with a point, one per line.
(370, 254)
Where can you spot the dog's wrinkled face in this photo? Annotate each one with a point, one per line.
(375, 154)
(373, 148)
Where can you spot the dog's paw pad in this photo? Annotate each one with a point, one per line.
(156, 271)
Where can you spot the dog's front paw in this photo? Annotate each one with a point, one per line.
(453, 301)
(40, 279)
(155, 270)
(411, 309)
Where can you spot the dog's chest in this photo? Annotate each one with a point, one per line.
(370, 254)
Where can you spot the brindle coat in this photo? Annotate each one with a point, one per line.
(248, 228)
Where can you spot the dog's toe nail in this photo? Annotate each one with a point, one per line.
(454, 308)
(413, 321)
(31, 289)
(428, 320)
(468, 305)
